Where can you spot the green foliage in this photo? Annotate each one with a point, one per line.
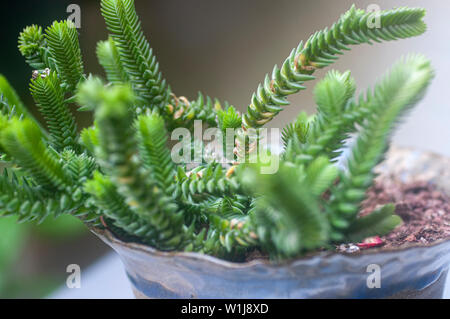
(135, 53)
(49, 97)
(229, 118)
(10, 99)
(109, 58)
(297, 130)
(112, 204)
(90, 93)
(33, 46)
(333, 123)
(391, 98)
(120, 170)
(155, 154)
(23, 141)
(89, 138)
(291, 220)
(118, 152)
(20, 198)
(380, 221)
(321, 50)
(204, 181)
(62, 41)
(182, 112)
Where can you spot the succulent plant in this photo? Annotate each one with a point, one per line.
(120, 172)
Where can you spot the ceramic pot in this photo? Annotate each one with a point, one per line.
(411, 271)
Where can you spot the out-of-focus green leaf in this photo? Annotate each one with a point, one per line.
(64, 226)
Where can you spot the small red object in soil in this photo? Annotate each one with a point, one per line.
(371, 242)
(103, 222)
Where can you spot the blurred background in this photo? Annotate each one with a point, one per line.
(224, 49)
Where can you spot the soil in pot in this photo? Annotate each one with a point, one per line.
(425, 212)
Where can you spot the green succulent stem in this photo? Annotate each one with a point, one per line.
(49, 96)
(398, 92)
(323, 49)
(135, 53)
(64, 48)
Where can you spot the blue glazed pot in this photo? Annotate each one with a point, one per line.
(412, 271)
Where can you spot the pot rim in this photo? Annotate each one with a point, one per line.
(108, 237)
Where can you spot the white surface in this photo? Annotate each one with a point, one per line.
(106, 279)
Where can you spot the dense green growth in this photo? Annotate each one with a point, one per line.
(119, 173)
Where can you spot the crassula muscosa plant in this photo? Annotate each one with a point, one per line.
(120, 173)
